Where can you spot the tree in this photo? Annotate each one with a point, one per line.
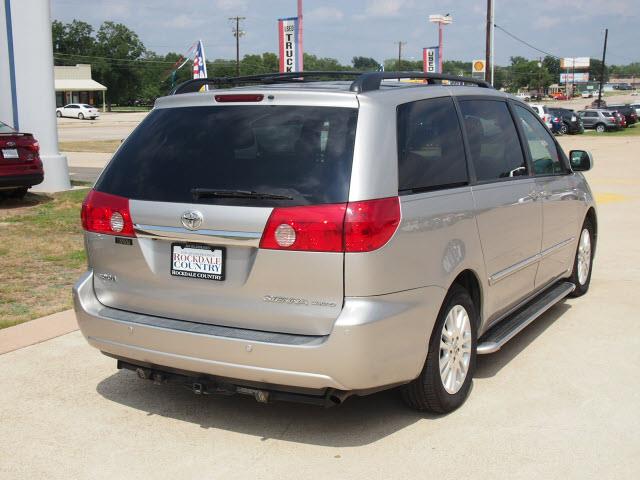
(119, 48)
(595, 70)
(365, 64)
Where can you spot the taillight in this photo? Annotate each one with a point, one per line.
(315, 228)
(107, 214)
(344, 227)
(369, 225)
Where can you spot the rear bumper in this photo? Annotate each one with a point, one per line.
(375, 342)
(23, 180)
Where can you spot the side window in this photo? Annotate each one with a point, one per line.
(493, 140)
(543, 150)
(430, 148)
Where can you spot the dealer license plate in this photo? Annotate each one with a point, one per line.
(10, 153)
(197, 261)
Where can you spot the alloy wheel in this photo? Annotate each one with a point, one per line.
(584, 256)
(455, 349)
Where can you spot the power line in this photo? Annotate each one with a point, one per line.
(524, 42)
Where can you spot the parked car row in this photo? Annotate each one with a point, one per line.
(614, 117)
(559, 120)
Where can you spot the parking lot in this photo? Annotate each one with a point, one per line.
(559, 401)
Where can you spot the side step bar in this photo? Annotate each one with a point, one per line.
(508, 328)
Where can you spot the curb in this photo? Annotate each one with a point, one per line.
(37, 331)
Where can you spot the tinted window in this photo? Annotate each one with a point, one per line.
(493, 140)
(544, 154)
(430, 148)
(302, 152)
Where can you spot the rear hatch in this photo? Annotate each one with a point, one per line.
(201, 182)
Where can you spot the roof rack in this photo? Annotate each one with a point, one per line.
(372, 80)
(266, 78)
(363, 82)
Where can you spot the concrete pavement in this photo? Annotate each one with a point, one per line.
(561, 400)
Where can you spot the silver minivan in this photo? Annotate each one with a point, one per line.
(304, 240)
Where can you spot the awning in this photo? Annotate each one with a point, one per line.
(76, 85)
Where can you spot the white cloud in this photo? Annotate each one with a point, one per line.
(228, 5)
(545, 22)
(386, 8)
(325, 14)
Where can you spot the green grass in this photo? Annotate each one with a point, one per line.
(632, 131)
(41, 254)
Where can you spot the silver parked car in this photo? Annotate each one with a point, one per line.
(599, 120)
(308, 240)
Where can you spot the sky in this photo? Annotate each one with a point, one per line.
(372, 28)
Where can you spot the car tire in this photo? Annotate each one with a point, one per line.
(18, 193)
(583, 261)
(59, 114)
(438, 392)
(564, 129)
(600, 128)
(80, 116)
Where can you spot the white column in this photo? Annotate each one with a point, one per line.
(30, 26)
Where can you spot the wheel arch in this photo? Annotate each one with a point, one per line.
(468, 279)
(592, 217)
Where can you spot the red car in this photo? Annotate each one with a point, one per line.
(620, 119)
(559, 96)
(20, 164)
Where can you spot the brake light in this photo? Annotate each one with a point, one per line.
(239, 97)
(344, 227)
(107, 214)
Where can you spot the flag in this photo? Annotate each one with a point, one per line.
(289, 46)
(430, 60)
(199, 63)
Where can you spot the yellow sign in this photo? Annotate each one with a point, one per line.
(478, 66)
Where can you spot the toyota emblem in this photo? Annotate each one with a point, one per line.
(192, 219)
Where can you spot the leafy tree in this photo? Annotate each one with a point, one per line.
(365, 64)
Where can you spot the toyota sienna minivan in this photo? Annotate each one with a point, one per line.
(304, 240)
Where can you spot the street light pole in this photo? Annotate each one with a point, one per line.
(604, 55)
(400, 44)
(237, 33)
(488, 72)
(440, 20)
(300, 35)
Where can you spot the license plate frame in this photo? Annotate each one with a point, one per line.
(10, 153)
(189, 268)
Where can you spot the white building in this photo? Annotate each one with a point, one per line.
(74, 84)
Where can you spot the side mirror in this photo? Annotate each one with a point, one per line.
(581, 160)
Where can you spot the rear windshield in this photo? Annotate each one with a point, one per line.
(4, 128)
(295, 151)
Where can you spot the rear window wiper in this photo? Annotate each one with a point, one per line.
(213, 193)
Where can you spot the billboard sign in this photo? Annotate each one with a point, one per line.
(288, 45)
(577, 62)
(430, 60)
(478, 69)
(582, 77)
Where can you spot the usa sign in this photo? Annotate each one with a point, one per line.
(430, 59)
(289, 45)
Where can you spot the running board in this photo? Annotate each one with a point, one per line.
(508, 328)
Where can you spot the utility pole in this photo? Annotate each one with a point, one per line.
(237, 33)
(604, 56)
(440, 20)
(400, 44)
(300, 35)
(488, 72)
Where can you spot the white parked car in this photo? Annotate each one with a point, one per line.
(543, 113)
(524, 96)
(587, 94)
(78, 110)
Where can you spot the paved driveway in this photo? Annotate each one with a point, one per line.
(562, 400)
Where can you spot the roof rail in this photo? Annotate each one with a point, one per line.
(266, 78)
(371, 81)
(363, 82)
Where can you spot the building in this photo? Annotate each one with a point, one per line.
(74, 85)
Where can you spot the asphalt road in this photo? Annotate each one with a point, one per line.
(561, 400)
